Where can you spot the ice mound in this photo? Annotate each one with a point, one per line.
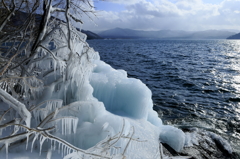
(129, 97)
(95, 110)
(121, 95)
(107, 103)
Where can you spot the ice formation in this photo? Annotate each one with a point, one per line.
(18, 106)
(96, 109)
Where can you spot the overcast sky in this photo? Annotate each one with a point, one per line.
(191, 15)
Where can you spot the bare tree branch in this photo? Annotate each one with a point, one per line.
(18, 106)
(8, 17)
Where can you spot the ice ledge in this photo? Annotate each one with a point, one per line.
(129, 97)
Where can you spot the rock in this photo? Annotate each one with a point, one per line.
(205, 145)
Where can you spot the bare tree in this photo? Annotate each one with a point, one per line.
(39, 51)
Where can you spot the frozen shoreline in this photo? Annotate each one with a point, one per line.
(102, 107)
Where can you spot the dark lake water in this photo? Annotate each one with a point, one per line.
(194, 82)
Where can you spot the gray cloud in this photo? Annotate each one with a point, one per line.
(163, 14)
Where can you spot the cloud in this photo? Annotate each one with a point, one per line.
(165, 14)
(155, 9)
(228, 7)
(126, 2)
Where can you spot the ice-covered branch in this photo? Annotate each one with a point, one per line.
(68, 145)
(18, 106)
(4, 114)
(128, 141)
(3, 70)
(75, 19)
(49, 51)
(44, 23)
(4, 4)
(18, 49)
(67, 12)
(54, 9)
(72, 16)
(14, 138)
(8, 17)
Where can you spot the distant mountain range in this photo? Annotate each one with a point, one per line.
(236, 36)
(119, 33)
(91, 35)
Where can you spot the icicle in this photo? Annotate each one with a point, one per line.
(62, 147)
(6, 145)
(62, 126)
(69, 125)
(51, 143)
(49, 105)
(49, 66)
(27, 141)
(54, 145)
(65, 151)
(59, 146)
(41, 143)
(54, 68)
(65, 125)
(53, 105)
(49, 154)
(62, 66)
(65, 93)
(75, 123)
(34, 139)
(37, 115)
(69, 151)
